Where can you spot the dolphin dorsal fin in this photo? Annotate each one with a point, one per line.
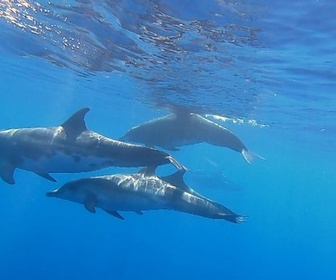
(147, 171)
(75, 125)
(176, 179)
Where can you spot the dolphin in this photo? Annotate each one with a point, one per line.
(70, 148)
(140, 192)
(184, 128)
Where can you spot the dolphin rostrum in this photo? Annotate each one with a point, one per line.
(70, 148)
(184, 128)
(141, 191)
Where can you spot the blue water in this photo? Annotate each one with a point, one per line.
(268, 67)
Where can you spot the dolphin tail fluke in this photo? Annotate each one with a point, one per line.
(228, 215)
(174, 162)
(237, 219)
(250, 156)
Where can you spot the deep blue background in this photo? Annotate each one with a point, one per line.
(289, 197)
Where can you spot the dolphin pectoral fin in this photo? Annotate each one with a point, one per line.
(115, 214)
(90, 204)
(75, 125)
(6, 172)
(46, 176)
(139, 212)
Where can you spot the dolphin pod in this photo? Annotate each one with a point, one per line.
(73, 148)
(183, 128)
(70, 148)
(140, 192)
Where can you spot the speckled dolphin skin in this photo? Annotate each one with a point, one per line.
(70, 148)
(139, 192)
(180, 129)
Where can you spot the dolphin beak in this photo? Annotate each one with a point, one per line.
(52, 193)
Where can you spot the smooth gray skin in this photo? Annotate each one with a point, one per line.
(139, 192)
(70, 148)
(176, 130)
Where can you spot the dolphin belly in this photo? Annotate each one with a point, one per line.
(129, 202)
(64, 163)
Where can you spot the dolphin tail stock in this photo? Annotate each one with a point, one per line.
(250, 156)
(178, 165)
(227, 214)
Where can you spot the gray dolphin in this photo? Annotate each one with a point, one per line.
(70, 148)
(182, 129)
(141, 191)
